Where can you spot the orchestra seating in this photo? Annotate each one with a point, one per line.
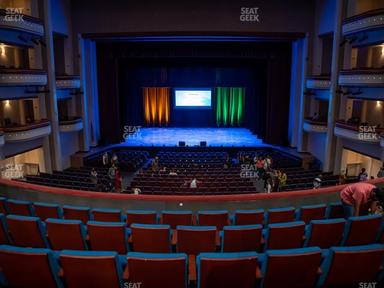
(202, 248)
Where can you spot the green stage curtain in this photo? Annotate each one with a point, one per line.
(156, 105)
(229, 106)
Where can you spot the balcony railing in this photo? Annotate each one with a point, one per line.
(316, 126)
(30, 131)
(68, 82)
(71, 124)
(318, 82)
(360, 132)
(371, 20)
(23, 77)
(362, 77)
(11, 20)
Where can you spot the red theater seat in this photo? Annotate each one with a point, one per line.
(106, 215)
(175, 218)
(46, 210)
(3, 206)
(193, 240)
(279, 215)
(151, 238)
(312, 212)
(66, 234)
(76, 213)
(361, 230)
(157, 270)
(325, 233)
(19, 207)
(335, 210)
(285, 235)
(4, 239)
(241, 238)
(291, 268)
(227, 269)
(249, 217)
(141, 217)
(213, 218)
(117, 239)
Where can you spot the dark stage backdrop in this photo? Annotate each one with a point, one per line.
(263, 69)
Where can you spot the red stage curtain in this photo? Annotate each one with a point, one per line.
(156, 105)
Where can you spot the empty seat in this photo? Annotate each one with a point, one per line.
(193, 240)
(66, 234)
(46, 210)
(19, 207)
(76, 213)
(324, 233)
(26, 231)
(226, 269)
(284, 235)
(249, 217)
(28, 267)
(3, 205)
(311, 212)
(278, 215)
(335, 210)
(4, 239)
(157, 270)
(117, 239)
(361, 230)
(141, 217)
(213, 218)
(349, 266)
(151, 238)
(291, 268)
(107, 215)
(91, 269)
(175, 218)
(241, 238)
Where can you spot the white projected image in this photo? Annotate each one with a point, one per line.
(193, 98)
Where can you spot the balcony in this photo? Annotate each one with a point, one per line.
(369, 21)
(22, 77)
(358, 132)
(318, 82)
(14, 21)
(68, 82)
(362, 77)
(315, 126)
(30, 131)
(71, 124)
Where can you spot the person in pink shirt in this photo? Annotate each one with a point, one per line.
(358, 198)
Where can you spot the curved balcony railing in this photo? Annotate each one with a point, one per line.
(68, 82)
(370, 20)
(12, 20)
(360, 132)
(316, 126)
(28, 131)
(71, 124)
(362, 77)
(22, 77)
(318, 82)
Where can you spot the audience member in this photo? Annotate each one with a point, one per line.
(380, 174)
(105, 159)
(363, 175)
(94, 176)
(317, 183)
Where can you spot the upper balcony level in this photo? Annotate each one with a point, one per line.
(358, 132)
(26, 132)
(14, 21)
(318, 82)
(370, 22)
(23, 77)
(68, 82)
(362, 77)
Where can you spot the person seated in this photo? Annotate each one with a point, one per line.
(194, 183)
(363, 175)
(316, 183)
(172, 173)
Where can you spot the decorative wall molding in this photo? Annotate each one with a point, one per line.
(28, 134)
(362, 78)
(316, 128)
(71, 126)
(370, 20)
(26, 24)
(354, 135)
(23, 78)
(318, 83)
(70, 82)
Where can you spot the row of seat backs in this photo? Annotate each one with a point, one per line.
(173, 218)
(72, 234)
(303, 267)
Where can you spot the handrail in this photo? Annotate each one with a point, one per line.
(316, 122)
(360, 16)
(22, 71)
(179, 198)
(354, 127)
(70, 121)
(26, 127)
(362, 71)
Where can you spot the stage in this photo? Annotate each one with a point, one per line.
(215, 137)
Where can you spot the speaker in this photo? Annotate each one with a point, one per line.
(181, 143)
(203, 143)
